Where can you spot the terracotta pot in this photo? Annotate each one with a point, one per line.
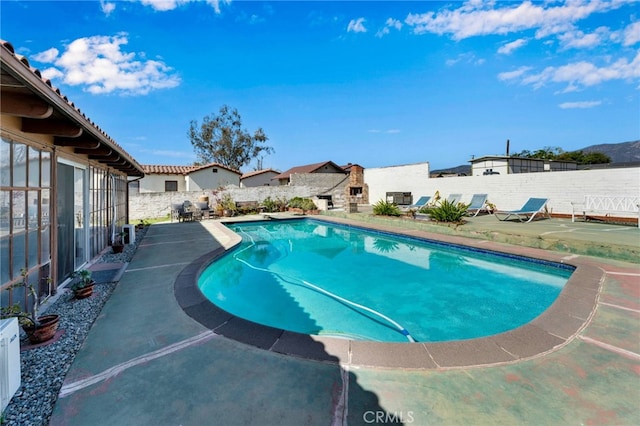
(45, 331)
(84, 292)
(118, 248)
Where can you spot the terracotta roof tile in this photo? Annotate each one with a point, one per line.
(309, 168)
(257, 172)
(181, 170)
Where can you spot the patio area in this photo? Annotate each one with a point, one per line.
(145, 361)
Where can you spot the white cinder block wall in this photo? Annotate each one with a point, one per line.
(508, 191)
(412, 178)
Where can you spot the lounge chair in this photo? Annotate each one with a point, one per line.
(454, 198)
(419, 204)
(530, 209)
(477, 204)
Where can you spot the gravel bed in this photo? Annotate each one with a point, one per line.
(44, 368)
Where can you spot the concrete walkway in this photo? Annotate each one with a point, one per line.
(145, 362)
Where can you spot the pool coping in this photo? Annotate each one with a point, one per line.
(550, 331)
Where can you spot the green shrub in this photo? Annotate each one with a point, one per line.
(295, 202)
(302, 203)
(270, 205)
(385, 208)
(446, 211)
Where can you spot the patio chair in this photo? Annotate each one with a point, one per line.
(418, 204)
(179, 212)
(477, 205)
(454, 198)
(203, 209)
(530, 209)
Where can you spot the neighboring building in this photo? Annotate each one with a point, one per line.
(284, 178)
(63, 181)
(258, 178)
(185, 178)
(502, 164)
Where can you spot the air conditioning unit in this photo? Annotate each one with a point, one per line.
(129, 230)
(9, 360)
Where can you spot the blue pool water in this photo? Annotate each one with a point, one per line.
(313, 277)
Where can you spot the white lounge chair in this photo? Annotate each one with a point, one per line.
(477, 204)
(419, 204)
(529, 210)
(454, 198)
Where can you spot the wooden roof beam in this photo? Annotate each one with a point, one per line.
(98, 151)
(85, 141)
(51, 127)
(21, 105)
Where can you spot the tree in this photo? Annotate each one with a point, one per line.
(594, 157)
(221, 139)
(555, 153)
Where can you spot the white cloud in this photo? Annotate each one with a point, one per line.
(584, 74)
(51, 74)
(476, 18)
(631, 34)
(164, 5)
(99, 64)
(388, 25)
(389, 132)
(107, 7)
(511, 75)
(466, 58)
(47, 56)
(357, 26)
(580, 40)
(583, 104)
(508, 48)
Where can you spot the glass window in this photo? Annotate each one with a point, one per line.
(18, 246)
(19, 212)
(33, 204)
(5, 209)
(46, 168)
(34, 167)
(5, 163)
(170, 185)
(32, 248)
(24, 215)
(19, 164)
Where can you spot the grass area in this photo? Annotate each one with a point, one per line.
(151, 221)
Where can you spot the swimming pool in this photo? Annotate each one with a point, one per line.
(313, 277)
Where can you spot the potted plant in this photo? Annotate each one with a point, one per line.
(39, 329)
(118, 243)
(83, 286)
(228, 205)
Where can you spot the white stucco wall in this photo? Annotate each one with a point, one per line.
(407, 178)
(155, 182)
(263, 179)
(206, 179)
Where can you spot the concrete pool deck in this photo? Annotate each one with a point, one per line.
(145, 361)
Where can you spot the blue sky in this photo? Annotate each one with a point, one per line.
(375, 83)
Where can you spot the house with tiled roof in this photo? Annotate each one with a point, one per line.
(344, 184)
(63, 181)
(284, 178)
(258, 178)
(159, 178)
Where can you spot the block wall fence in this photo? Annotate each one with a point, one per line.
(158, 204)
(511, 191)
(507, 192)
